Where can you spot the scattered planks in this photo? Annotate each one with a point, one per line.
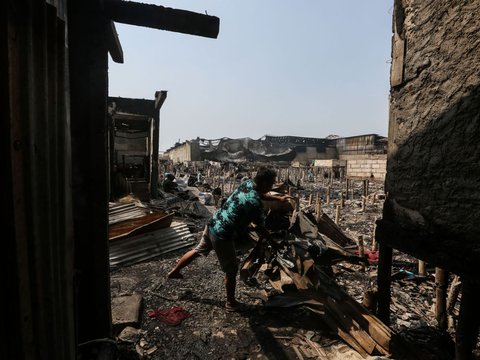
(352, 322)
(328, 227)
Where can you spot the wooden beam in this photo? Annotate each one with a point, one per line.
(384, 282)
(163, 18)
(160, 97)
(114, 45)
(438, 249)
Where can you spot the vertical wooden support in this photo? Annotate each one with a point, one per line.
(453, 292)
(310, 198)
(422, 271)
(361, 250)
(318, 208)
(383, 282)
(337, 215)
(347, 188)
(365, 188)
(328, 195)
(160, 97)
(441, 284)
(364, 202)
(468, 321)
(374, 237)
(88, 68)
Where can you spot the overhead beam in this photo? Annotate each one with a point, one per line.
(114, 45)
(163, 18)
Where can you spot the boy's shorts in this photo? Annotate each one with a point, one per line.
(224, 248)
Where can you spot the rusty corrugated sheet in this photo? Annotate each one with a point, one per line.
(147, 246)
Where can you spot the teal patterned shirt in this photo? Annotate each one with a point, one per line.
(242, 207)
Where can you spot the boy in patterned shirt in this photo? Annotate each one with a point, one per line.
(228, 224)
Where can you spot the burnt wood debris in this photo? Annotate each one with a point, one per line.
(313, 295)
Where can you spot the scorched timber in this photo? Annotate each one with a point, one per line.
(163, 18)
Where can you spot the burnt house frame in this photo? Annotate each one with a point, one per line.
(133, 145)
(56, 174)
(432, 181)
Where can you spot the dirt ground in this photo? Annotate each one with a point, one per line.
(262, 332)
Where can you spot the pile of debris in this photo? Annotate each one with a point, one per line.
(314, 286)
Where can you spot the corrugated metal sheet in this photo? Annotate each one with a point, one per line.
(36, 169)
(121, 212)
(147, 246)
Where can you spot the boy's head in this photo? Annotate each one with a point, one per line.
(264, 179)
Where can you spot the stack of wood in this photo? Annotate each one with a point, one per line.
(300, 270)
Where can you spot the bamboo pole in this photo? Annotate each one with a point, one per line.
(421, 268)
(374, 238)
(337, 215)
(318, 208)
(361, 251)
(441, 285)
(347, 188)
(384, 282)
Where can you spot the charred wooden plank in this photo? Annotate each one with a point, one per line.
(327, 227)
(114, 45)
(163, 18)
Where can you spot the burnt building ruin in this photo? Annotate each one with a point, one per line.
(133, 145)
(433, 169)
(358, 157)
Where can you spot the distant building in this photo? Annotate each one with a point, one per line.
(362, 156)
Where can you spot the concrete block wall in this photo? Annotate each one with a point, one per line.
(367, 168)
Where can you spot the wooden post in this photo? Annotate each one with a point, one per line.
(441, 284)
(374, 239)
(421, 268)
(361, 250)
(453, 292)
(364, 201)
(310, 197)
(318, 208)
(365, 188)
(468, 321)
(384, 282)
(328, 195)
(337, 215)
(347, 185)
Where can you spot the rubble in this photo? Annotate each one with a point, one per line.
(291, 316)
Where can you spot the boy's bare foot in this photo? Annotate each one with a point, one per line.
(235, 307)
(174, 275)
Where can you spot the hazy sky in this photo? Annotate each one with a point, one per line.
(302, 68)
